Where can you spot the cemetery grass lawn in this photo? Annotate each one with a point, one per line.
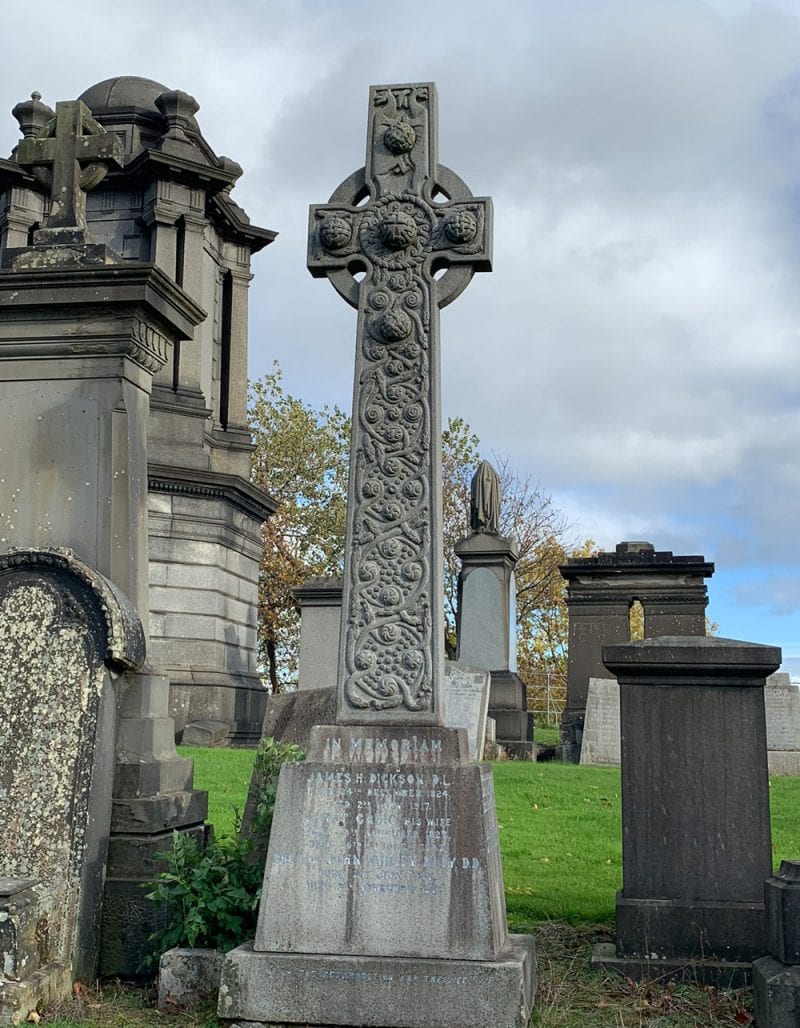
(560, 836)
(226, 776)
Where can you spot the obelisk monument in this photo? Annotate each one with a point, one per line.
(383, 896)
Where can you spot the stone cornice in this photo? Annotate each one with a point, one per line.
(319, 592)
(216, 485)
(611, 565)
(234, 225)
(109, 287)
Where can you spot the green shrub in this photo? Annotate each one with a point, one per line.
(210, 894)
(270, 757)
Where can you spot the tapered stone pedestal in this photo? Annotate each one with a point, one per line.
(383, 881)
(695, 807)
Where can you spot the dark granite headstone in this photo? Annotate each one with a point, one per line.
(776, 977)
(695, 806)
(600, 592)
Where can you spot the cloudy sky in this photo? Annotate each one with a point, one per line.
(636, 349)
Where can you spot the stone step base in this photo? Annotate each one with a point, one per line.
(393, 992)
(722, 973)
(49, 984)
(776, 993)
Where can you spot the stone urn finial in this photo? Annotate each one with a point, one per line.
(32, 115)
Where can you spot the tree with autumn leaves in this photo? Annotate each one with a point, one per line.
(301, 459)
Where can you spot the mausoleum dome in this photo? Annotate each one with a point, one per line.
(124, 91)
(127, 105)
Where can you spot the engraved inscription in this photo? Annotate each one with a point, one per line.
(782, 707)
(368, 977)
(379, 832)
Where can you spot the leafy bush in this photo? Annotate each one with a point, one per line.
(211, 894)
(270, 757)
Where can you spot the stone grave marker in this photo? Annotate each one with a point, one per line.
(600, 744)
(467, 703)
(64, 629)
(487, 618)
(782, 707)
(695, 808)
(601, 733)
(383, 897)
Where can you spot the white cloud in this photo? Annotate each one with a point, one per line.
(636, 347)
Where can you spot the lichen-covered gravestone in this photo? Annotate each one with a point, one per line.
(64, 632)
(383, 896)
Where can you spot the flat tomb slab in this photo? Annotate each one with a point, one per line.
(319, 989)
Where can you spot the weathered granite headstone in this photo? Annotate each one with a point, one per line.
(601, 744)
(467, 703)
(66, 634)
(782, 705)
(487, 621)
(695, 807)
(383, 897)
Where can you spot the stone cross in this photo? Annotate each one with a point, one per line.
(72, 155)
(418, 219)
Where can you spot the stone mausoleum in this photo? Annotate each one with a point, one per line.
(600, 593)
(168, 201)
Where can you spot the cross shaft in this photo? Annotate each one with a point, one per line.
(392, 639)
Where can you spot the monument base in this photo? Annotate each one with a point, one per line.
(383, 894)
(508, 749)
(776, 993)
(393, 992)
(690, 930)
(49, 984)
(784, 762)
(722, 973)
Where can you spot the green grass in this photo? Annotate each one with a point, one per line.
(546, 735)
(560, 830)
(560, 837)
(226, 776)
(561, 841)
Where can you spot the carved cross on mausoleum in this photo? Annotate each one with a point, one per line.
(418, 219)
(71, 155)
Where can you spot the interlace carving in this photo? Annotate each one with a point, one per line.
(393, 629)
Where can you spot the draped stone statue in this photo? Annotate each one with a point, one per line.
(484, 506)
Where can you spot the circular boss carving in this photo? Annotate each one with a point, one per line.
(335, 232)
(460, 227)
(399, 138)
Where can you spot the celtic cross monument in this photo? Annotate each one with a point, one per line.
(391, 650)
(383, 894)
